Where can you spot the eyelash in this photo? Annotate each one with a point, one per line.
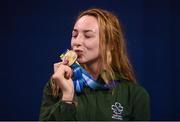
(87, 36)
(74, 36)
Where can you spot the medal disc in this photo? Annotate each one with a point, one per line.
(71, 56)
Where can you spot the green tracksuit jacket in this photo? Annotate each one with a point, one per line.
(126, 101)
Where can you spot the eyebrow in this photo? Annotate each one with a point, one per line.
(85, 31)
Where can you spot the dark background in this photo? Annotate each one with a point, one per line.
(34, 32)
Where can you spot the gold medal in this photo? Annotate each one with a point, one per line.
(70, 55)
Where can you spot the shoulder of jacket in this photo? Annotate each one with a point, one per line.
(132, 88)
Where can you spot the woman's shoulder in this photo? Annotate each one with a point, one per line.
(131, 88)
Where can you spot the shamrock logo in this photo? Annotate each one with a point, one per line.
(117, 109)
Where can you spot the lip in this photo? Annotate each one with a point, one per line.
(78, 51)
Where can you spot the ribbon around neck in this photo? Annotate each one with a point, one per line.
(81, 78)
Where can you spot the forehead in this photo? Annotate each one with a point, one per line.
(87, 22)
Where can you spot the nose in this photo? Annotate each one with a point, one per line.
(76, 42)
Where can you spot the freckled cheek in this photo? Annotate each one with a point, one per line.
(93, 50)
(91, 45)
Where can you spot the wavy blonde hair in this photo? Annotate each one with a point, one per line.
(112, 47)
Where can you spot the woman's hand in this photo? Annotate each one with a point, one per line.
(62, 75)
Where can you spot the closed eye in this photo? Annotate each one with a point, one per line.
(74, 36)
(74, 33)
(86, 36)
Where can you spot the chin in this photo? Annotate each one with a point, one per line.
(81, 61)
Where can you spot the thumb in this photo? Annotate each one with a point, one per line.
(65, 61)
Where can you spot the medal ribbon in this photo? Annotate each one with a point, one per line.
(81, 79)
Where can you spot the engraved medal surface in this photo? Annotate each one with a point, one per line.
(70, 55)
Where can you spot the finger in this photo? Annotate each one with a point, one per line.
(68, 72)
(56, 66)
(67, 75)
(65, 61)
(71, 73)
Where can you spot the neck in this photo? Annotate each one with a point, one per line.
(93, 70)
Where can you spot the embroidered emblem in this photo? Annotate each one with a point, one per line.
(117, 109)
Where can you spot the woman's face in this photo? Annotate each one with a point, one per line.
(85, 39)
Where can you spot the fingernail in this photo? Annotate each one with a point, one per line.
(67, 61)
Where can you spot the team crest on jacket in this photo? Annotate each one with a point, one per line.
(117, 109)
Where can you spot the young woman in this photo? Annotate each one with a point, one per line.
(98, 41)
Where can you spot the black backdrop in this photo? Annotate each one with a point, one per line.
(35, 32)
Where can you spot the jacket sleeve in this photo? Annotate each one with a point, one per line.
(54, 109)
(141, 104)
